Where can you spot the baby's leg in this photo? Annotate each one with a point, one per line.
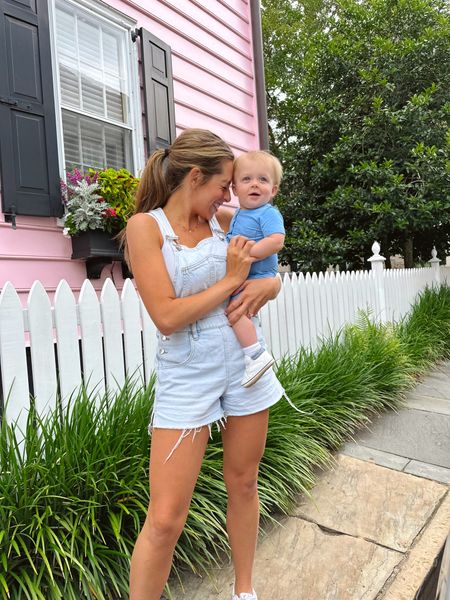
(257, 359)
(245, 332)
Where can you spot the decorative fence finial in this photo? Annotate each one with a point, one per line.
(376, 261)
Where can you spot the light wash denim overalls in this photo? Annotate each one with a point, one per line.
(199, 368)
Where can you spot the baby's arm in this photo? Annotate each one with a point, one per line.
(269, 245)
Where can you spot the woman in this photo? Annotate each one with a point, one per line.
(185, 273)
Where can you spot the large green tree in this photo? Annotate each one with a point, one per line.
(359, 114)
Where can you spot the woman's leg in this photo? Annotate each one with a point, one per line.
(171, 487)
(244, 440)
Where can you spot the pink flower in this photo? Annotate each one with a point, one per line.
(109, 212)
(75, 176)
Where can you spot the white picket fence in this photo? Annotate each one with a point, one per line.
(99, 341)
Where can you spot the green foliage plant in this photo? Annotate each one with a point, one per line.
(73, 500)
(98, 200)
(359, 113)
(117, 187)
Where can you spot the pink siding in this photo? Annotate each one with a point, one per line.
(213, 88)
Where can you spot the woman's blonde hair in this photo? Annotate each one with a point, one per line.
(277, 169)
(166, 168)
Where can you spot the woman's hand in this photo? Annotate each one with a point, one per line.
(239, 260)
(253, 294)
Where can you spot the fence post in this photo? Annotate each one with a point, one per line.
(434, 263)
(377, 264)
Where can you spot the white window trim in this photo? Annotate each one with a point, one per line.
(111, 15)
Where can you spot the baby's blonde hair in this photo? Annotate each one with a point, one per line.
(277, 169)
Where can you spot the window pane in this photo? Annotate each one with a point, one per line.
(65, 33)
(111, 53)
(68, 80)
(115, 147)
(92, 143)
(92, 94)
(116, 104)
(71, 141)
(89, 40)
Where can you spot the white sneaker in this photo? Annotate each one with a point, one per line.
(245, 596)
(255, 367)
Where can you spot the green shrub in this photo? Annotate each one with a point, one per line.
(72, 504)
(425, 332)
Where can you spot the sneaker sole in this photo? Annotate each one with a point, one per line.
(254, 379)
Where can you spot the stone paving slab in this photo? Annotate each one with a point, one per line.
(299, 561)
(436, 385)
(421, 469)
(384, 459)
(428, 403)
(415, 434)
(378, 504)
(407, 580)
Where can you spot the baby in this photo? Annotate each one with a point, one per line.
(256, 178)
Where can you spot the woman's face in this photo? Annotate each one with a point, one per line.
(216, 191)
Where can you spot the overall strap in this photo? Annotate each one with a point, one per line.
(216, 229)
(164, 225)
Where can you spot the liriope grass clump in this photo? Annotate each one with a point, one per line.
(425, 332)
(73, 499)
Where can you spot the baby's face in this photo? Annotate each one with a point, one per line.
(253, 182)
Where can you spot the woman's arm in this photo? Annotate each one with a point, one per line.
(254, 294)
(168, 312)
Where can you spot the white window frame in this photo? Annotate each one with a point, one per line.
(100, 10)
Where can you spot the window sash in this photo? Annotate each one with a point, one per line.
(90, 143)
(94, 89)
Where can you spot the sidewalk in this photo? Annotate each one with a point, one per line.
(375, 523)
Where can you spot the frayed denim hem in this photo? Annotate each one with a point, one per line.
(220, 423)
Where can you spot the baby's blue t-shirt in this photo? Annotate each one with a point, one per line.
(256, 224)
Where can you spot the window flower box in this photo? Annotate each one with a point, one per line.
(98, 249)
(98, 205)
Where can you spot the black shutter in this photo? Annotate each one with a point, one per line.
(28, 146)
(158, 91)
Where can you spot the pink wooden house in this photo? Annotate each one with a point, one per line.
(94, 83)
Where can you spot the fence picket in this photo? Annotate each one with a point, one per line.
(330, 327)
(67, 345)
(264, 318)
(273, 328)
(42, 349)
(91, 341)
(282, 319)
(290, 315)
(296, 325)
(13, 361)
(304, 314)
(132, 333)
(311, 319)
(112, 337)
